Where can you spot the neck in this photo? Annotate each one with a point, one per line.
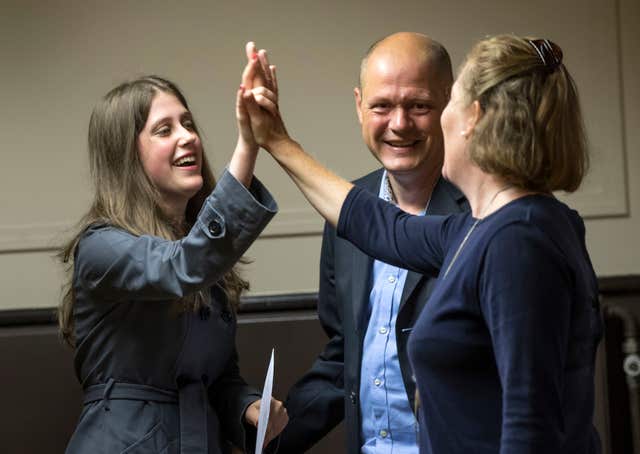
(490, 194)
(413, 191)
(176, 212)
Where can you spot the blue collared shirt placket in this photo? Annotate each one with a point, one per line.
(388, 423)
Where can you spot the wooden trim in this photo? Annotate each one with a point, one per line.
(249, 305)
(609, 285)
(618, 285)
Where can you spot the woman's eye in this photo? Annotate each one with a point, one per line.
(188, 124)
(163, 131)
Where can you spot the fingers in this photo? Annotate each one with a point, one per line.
(266, 99)
(250, 104)
(264, 66)
(241, 111)
(250, 50)
(252, 414)
(264, 73)
(274, 79)
(278, 419)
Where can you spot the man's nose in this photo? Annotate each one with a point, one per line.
(400, 119)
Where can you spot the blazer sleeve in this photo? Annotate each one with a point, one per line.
(315, 404)
(114, 264)
(384, 232)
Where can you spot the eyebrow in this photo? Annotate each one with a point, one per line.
(424, 98)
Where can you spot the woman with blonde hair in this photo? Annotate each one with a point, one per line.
(150, 305)
(504, 352)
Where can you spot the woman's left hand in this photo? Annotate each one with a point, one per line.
(278, 418)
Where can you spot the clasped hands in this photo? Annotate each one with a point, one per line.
(257, 111)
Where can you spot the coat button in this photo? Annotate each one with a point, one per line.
(226, 316)
(215, 228)
(352, 397)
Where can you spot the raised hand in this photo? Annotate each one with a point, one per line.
(259, 102)
(325, 190)
(257, 73)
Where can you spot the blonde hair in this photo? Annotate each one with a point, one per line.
(531, 132)
(117, 174)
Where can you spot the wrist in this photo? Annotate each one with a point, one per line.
(246, 146)
(279, 143)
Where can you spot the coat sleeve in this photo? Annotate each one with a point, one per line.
(113, 264)
(315, 404)
(230, 396)
(384, 232)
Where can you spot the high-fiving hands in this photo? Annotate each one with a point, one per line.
(259, 118)
(258, 87)
(257, 100)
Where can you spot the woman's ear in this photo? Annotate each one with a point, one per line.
(474, 114)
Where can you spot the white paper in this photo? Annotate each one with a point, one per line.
(265, 406)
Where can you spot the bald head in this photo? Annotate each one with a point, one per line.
(409, 47)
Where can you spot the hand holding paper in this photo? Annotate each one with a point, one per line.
(271, 419)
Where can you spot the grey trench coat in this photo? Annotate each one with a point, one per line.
(157, 378)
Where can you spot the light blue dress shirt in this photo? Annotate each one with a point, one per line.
(388, 423)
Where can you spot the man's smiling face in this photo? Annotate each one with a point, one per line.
(399, 105)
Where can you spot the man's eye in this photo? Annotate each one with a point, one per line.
(380, 108)
(421, 107)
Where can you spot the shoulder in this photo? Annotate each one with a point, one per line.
(370, 181)
(535, 233)
(100, 243)
(447, 198)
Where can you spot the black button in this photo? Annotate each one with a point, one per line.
(353, 398)
(205, 312)
(215, 228)
(226, 316)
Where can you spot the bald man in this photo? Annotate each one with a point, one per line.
(367, 307)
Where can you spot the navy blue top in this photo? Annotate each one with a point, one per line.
(504, 351)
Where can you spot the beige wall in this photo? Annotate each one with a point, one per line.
(58, 57)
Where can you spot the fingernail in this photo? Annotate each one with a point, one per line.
(241, 86)
(254, 56)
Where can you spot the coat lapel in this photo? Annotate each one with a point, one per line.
(362, 264)
(446, 199)
(361, 283)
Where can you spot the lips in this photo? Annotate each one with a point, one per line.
(403, 144)
(185, 161)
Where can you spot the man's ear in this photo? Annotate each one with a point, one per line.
(358, 98)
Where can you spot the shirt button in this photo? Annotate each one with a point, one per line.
(215, 228)
(392, 279)
(383, 433)
(383, 330)
(377, 382)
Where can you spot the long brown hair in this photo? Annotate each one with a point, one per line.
(117, 174)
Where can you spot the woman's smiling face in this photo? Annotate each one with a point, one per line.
(171, 152)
